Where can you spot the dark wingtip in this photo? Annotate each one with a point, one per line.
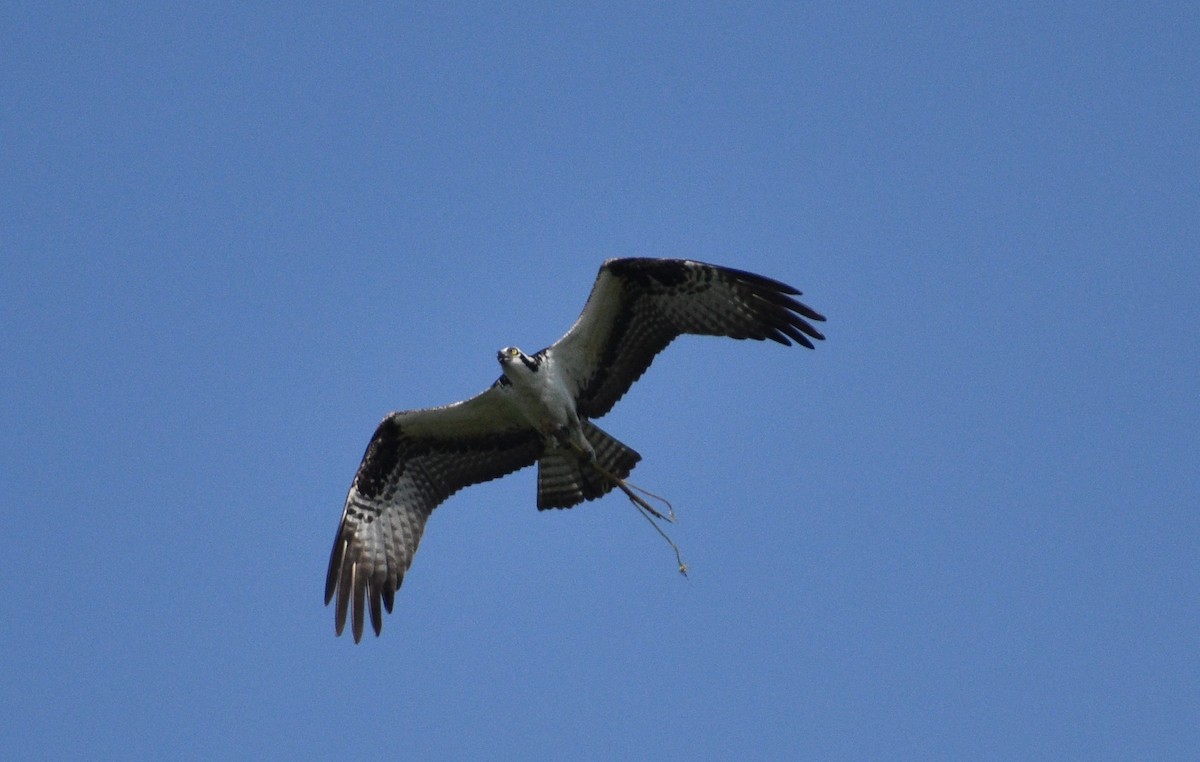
(756, 281)
(345, 584)
(358, 608)
(786, 318)
(376, 598)
(809, 312)
(335, 566)
(777, 306)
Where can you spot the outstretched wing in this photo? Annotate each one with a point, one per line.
(415, 460)
(638, 306)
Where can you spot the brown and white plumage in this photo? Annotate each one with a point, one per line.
(538, 411)
(638, 306)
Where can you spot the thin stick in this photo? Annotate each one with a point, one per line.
(670, 508)
(683, 569)
(647, 510)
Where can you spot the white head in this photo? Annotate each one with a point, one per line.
(513, 361)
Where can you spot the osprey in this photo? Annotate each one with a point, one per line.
(540, 411)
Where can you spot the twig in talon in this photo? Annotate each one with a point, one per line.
(647, 510)
(670, 508)
(683, 569)
(628, 488)
(640, 502)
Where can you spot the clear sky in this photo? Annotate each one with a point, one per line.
(235, 236)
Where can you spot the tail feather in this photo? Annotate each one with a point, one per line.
(566, 479)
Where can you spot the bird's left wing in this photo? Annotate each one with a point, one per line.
(415, 460)
(639, 306)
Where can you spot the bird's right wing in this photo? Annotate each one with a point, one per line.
(415, 460)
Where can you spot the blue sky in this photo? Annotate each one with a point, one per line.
(234, 237)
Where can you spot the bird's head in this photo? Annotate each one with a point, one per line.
(514, 360)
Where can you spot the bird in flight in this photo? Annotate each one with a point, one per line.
(540, 411)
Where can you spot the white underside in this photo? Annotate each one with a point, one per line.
(544, 399)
